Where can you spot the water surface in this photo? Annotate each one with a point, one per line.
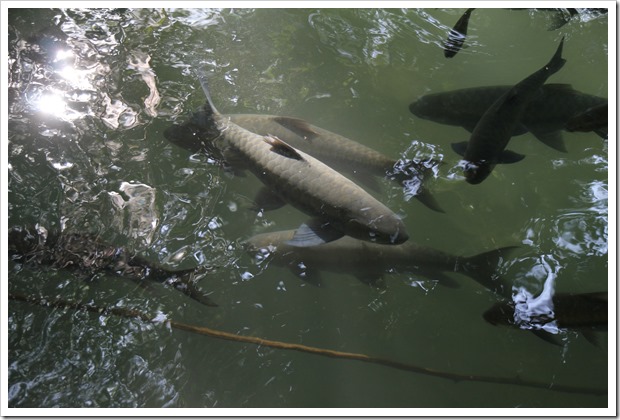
(90, 94)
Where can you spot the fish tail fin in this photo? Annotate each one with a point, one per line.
(202, 77)
(412, 175)
(482, 268)
(557, 62)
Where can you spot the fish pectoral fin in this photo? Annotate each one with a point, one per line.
(552, 139)
(460, 148)
(425, 197)
(297, 126)
(592, 338)
(314, 233)
(520, 129)
(308, 275)
(548, 337)
(373, 279)
(602, 132)
(280, 147)
(508, 156)
(267, 200)
(366, 179)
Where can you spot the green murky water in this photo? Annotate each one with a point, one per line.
(90, 94)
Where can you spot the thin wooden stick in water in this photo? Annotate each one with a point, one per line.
(131, 313)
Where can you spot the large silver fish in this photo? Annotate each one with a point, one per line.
(353, 159)
(545, 116)
(89, 256)
(487, 144)
(369, 261)
(339, 205)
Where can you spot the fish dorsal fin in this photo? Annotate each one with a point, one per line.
(282, 148)
(297, 126)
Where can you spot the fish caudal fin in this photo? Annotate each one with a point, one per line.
(202, 77)
(482, 268)
(557, 62)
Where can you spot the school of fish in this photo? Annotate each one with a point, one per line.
(333, 181)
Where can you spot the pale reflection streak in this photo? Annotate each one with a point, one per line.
(537, 312)
(140, 213)
(139, 61)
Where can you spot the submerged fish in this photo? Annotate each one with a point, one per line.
(369, 261)
(593, 119)
(545, 116)
(488, 141)
(457, 35)
(351, 158)
(584, 312)
(296, 178)
(561, 17)
(88, 255)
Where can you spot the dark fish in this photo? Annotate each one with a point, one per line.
(561, 17)
(545, 116)
(369, 261)
(351, 158)
(488, 141)
(593, 119)
(457, 35)
(341, 206)
(86, 254)
(586, 312)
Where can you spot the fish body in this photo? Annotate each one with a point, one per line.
(369, 261)
(88, 255)
(337, 203)
(349, 157)
(593, 119)
(545, 116)
(488, 141)
(354, 160)
(581, 312)
(333, 149)
(456, 36)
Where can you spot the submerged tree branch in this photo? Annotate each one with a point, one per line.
(223, 335)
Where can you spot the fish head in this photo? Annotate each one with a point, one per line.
(476, 172)
(434, 107)
(195, 135)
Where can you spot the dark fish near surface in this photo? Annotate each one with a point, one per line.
(338, 152)
(488, 141)
(341, 206)
(457, 35)
(369, 261)
(87, 255)
(544, 116)
(584, 312)
(593, 119)
(561, 17)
